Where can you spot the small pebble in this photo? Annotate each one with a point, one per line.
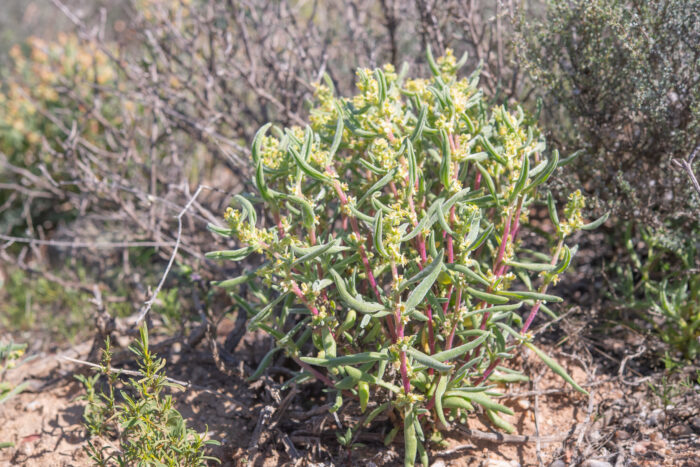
(680, 430)
(558, 463)
(640, 448)
(621, 435)
(695, 422)
(33, 405)
(438, 463)
(656, 417)
(524, 404)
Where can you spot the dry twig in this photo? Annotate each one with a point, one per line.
(687, 165)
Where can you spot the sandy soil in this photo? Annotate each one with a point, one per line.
(621, 423)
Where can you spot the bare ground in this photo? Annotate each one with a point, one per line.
(623, 422)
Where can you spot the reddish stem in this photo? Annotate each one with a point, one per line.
(488, 371)
(516, 220)
(318, 375)
(402, 353)
(278, 221)
(404, 373)
(504, 242)
(300, 295)
(360, 246)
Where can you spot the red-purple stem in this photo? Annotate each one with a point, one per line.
(530, 317)
(318, 375)
(300, 295)
(504, 242)
(361, 248)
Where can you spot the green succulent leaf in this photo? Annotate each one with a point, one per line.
(487, 297)
(319, 250)
(234, 282)
(418, 294)
(356, 359)
(596, 223)
(439, 393)
(486, 402)
(307, 168)
(264, 364)
(427, 360)
(232, 255)
(410, 438)
(525, 295)
(456, 352)
(354, 303)
(558, 369)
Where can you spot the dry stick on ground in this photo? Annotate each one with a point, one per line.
(536, 409)
(80, 244)
(282, 407)
(621, 371)
(263, 419)
(455, 450)
(687, 165)
(509, 439)
(147, 306)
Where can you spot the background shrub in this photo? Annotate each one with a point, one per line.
(621, 85)
(625, 75)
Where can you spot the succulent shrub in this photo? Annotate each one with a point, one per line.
(393, 267)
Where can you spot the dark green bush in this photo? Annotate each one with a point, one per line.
(625, 76)
(622, 81)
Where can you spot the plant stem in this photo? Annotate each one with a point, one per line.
(360, 246)
(543, 289)
(531, 316)
(300, 295)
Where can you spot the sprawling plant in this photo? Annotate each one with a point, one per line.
(393, 266)
(662, 284)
